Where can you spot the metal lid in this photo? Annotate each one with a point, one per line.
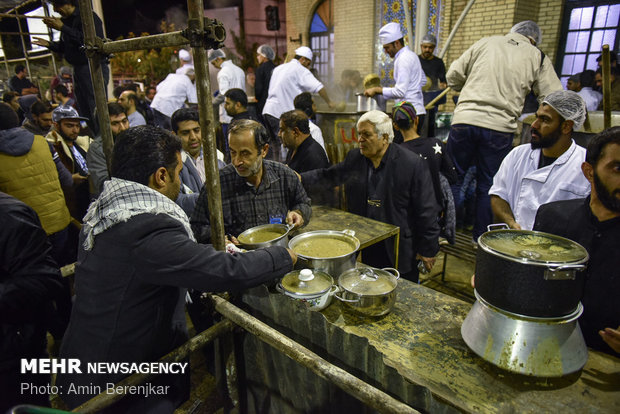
(532, 246)
(367, 281)
(307, 282)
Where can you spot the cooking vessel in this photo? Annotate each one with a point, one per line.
(369, 291)
(333, 265)
(313, 288)
(530, 273)
(282, 240)
(366, 103)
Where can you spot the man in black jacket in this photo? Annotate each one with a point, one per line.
(71, 41)
(594, 222)
(388, 183)
(29, 280)
(264, 56)
(137, 254)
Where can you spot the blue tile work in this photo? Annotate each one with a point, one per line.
(392, 11)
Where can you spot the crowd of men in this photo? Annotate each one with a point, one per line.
(141, 232)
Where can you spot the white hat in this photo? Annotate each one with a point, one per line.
(304, 51)
(184, 55)
(390, 33)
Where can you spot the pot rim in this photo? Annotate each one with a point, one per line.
(362, 295)
(313, 295)
(309, 234)
(528, 261)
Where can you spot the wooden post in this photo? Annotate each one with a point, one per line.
(606, 88)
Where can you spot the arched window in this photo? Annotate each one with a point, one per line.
(322, 41)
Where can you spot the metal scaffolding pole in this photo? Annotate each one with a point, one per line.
(51, 35)
(145, 42)
(195, 28)
(6, 62)
(21, 37)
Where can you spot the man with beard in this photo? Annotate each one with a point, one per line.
(255, 191)
(594, 222)
(95, 159)
(137, 255)
(548, 169)
(72, 150)
(41, 122)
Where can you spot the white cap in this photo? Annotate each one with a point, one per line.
(569, 105)
(304, 51)
(390, 33)
(185, 56)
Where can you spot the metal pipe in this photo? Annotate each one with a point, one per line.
(409, 24)
(437, 98)
(195, 10)
(606, 88)
(46, 55)
(96, 75)
(366, 393)
(421, 26)
(6, 62)
(103, 400)
(21, 37)
(145, 42)
(19, 34)
(51, 35)
(21, 16)
(446, 45)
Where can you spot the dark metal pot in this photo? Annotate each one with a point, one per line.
(333, 265)
(530, 273)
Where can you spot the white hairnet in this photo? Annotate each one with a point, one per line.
(569, 105)
(528, 28)
(429, 39)
(216, 53)
(266, 51)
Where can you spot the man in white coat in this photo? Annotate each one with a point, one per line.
(288, 81)
(230, 76)
(548, 169)
(408, 74)
(172, 93)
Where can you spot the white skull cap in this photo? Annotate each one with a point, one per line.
(185, 56)
(389, 33)
(569, 105)
(304, 51)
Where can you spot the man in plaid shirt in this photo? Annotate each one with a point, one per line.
(255, 191)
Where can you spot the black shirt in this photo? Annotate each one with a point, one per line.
(243, 115)
(310, 156)
(434, 69)
(261, 86)
(72, 38)
(574, 220)
(16, 84)
(438, 161)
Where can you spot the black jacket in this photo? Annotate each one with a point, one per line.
(129, 299)
(72, 38)
(574, 220)
(261, 87)
(310, 156)
(29, 281)
(408, 199)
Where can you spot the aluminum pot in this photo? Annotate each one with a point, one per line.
(369, 291)
(246, 237)
(333, 265)
(366, 103)
(314, 288)
(530, 273)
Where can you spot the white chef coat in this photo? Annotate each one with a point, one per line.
(172, 93)
(317, 134)
(184, 68)
(409, 78)
(230, 76)
(288, 81)
(525, 187)
(592, 98)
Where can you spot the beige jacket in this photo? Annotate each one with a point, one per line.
(494, 76)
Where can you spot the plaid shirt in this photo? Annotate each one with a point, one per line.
(245, 206)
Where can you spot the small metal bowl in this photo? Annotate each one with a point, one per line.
(281, 240)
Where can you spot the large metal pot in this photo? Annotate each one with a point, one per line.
(249, 238)
(530, 273)
(366, 103)
(369, 291)
(313, 288)
(333, 265)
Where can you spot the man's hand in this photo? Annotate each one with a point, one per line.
(295, 218)
(429, 262)
(611, 338)
(514, 225)
(293, 255)
(30, 91)
(231, 239)
(373, 91)
(41, 42)
(53, 22)
(78, 179)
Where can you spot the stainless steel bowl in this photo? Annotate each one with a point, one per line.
(334, 265)
(282, 240)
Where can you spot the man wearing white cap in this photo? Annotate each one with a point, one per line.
(545, 170)
(288, 81)
(494, 76)
(230, 76)
(408, 74)
(185, 59)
